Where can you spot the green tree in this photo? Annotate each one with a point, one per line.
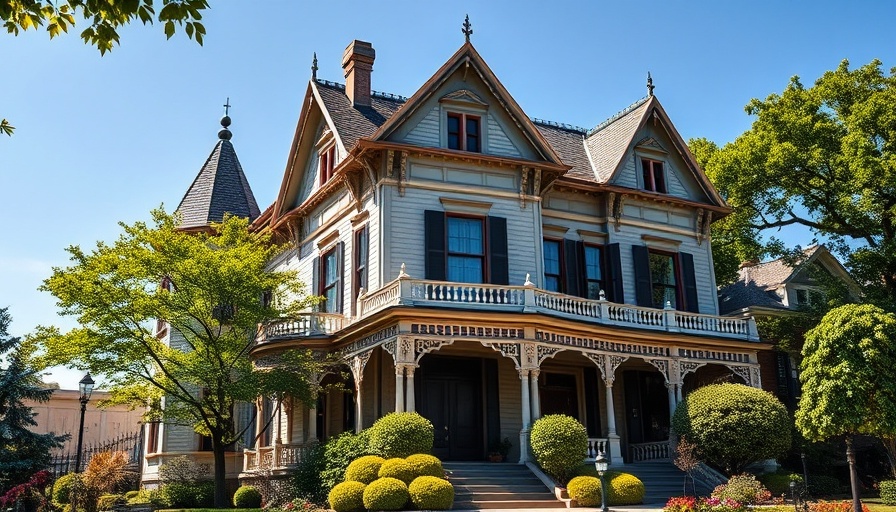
(847, 378)
(104, 19)
(208, 288)
(734, 425)
(22, 452)
(823, 157)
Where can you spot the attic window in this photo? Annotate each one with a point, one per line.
(327, 161)
(464, 132)
(654, 177)
(802, 296)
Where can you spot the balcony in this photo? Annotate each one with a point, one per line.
(409, 292)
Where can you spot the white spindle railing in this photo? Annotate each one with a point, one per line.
(708, 323)
(386, 296)
(597, 445)
(650, 451)
(568, 304)
(306, 324)
(463, 293)
(637, 315)
(281, 456)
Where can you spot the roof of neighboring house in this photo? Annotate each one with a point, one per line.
(220, 187)
(757, 284)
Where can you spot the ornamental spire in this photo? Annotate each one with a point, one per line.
(650, 85)
(225, 134)
(314, 67)
(467, 30)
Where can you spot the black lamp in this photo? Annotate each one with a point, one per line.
(601, 464)
(85, 388)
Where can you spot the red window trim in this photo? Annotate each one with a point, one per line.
(327, 161)
(462, 130)
(651, 172)
(356, 259)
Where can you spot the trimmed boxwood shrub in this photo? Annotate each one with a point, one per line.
(585, 490)
(247, 497)
(397, 468)
(888, 492)
(107, 501)
(188, 495)
(400, 434)
(559, 444)
(347, 497)
(386, 494)
(365, 469)
(734, 425)
(624, 489)
(62, 489)
(426, 465)
(339, 452)
(431, 493)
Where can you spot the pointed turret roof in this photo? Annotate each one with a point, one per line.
(219, 188)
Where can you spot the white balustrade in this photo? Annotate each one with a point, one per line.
(597, 445)
(712, 324)
(375, 301)
(650, 451)
(287, 456)
(463, 293)
(306, 324)
(567, 304)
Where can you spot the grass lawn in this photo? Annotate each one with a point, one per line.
(874, 505)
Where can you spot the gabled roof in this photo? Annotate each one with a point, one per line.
(220, 187)
(569, 144)
(355, 122)
(608, 142)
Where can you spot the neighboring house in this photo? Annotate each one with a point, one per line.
(62, 415)
(781, 287)
(484, 269)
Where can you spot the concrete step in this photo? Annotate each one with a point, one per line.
(499, 488)
(504, 496)
(508, 505)
(479, 486)
(491, 480)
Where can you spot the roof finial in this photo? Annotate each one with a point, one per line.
(225, 134)
(650, 85)
(314, 67)
(467, 30)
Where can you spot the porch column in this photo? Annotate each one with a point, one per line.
(399, 388)
(536, 402)
(672, 402)
(312, 421)
(526, 413)
(612, 436)
(678, 392)
(411, 406)
(359, 422)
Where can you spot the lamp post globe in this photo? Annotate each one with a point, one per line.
(85, 389)
(601, 464)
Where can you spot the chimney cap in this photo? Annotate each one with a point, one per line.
(358, 50)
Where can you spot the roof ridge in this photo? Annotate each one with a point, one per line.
(563, 126)
(378, 94)
(618, 115)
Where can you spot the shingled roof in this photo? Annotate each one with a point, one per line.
(354, 122)
(220, 187)
(757, 284)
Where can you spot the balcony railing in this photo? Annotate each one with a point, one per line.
(597, 445)
(659, 450)
(279, 456)
(525, 299)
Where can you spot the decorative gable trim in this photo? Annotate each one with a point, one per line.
(651, 144)
(463, 96)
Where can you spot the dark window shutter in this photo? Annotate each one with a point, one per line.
(315, 279)
(499, 271)
(643, 286)
(434, 242)
(690, 282)
(571, 275)
(340, 275)
(614, 290)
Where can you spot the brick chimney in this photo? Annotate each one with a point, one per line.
(357, 61)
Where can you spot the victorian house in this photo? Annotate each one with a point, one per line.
(485, 268)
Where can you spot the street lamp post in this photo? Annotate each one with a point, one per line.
(793, 496)
(85, 388)
(600, 464)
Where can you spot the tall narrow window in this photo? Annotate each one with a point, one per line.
(594, 274)
(663, 278)
(360, 263)
(466, 250)
(329, 281)
(327, 159)
(552, 266)
(654, 177)
(464, 132)
(152, 436)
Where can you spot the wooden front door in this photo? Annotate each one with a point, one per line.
(450, 397)
(646, 407)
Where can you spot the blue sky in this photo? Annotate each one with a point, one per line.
(106, 139)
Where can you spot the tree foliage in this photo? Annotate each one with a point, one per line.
(823, 157)
(22, 452)
(847, 375)
(207, 288)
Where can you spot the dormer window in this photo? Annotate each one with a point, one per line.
(654, 176)
(327, 160)
(463, 132)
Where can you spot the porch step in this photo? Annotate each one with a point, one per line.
(481, 486)
(662, 480)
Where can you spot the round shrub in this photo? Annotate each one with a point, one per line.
(559, 444)
(888, 492)
(431, 493)
(187, 495)
(339, 452)
(397, 468)
(624, 489)
(364, 470)
(743, 489)
(347, 497)
(62, 489)
(399, 434)
(247, 497)
(585, 490)
(734, 425)
(426, 465)
(386, 494)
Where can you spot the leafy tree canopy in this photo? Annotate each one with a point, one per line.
(103, 17)
(823, 157)
(22, 452)
(208, 289)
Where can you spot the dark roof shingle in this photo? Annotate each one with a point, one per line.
(353, 123)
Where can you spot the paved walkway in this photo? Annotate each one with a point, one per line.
(654, 507)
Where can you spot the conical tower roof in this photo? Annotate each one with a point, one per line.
(219, 188)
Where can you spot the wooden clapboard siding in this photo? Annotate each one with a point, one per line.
(498, 141)
(387, 384)
(426, 132)
(180, 438)
(510, 400)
